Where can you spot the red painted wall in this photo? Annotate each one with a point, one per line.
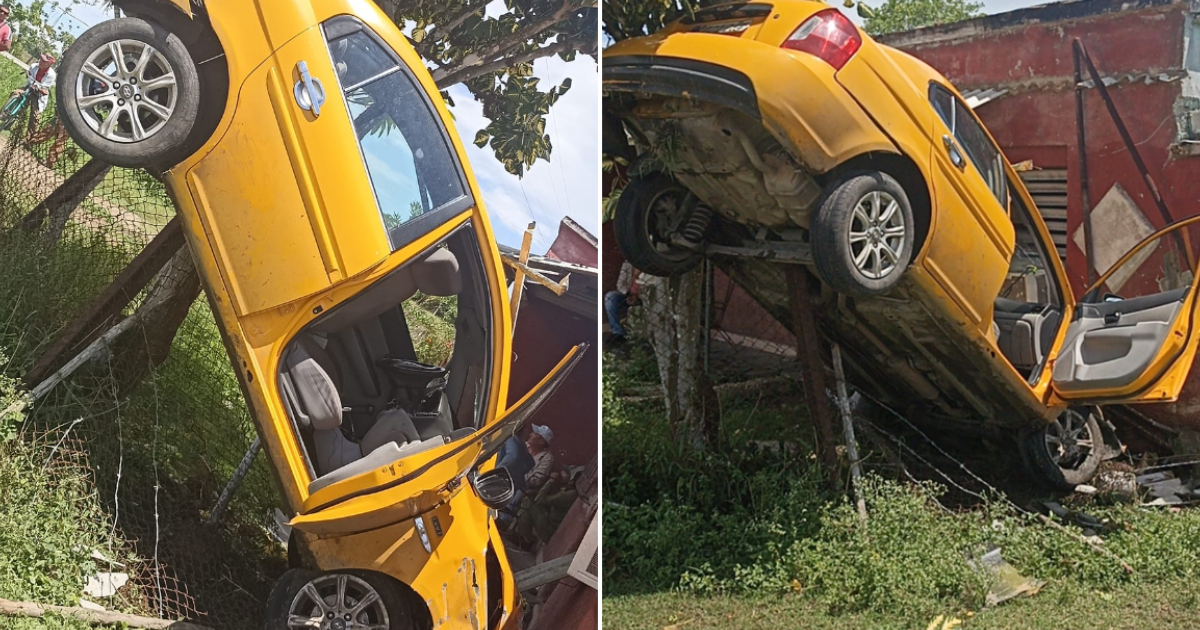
(544, 335)
(1038, 120)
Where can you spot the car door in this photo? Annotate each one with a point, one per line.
(284, 200)
(973, 238)
(1133, 335)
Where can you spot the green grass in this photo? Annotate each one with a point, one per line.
(1165, 605)
(747, 533)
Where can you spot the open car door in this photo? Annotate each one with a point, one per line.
(386, 495)
(1133, 335)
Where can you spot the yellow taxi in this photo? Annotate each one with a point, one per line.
(767, 134)
(323, 190)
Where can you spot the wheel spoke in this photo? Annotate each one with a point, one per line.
(135, 124)
(860, 260)
(894, 231)
(370, 598)
(139, 68)
(300, 621)
(858, 237)
(160, 110)
(118, 55)
(110, 121)
(341, 591)
(861, 216)
(892, 255)
(890, 211)
(311, 591)
(875, 205)
(88, 102)
(165, 81)
(95, 72)
(877, 259)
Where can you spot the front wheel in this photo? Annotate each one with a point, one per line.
(346, 600)
(862, 234)
(129, 92)
(1066, 452)
(648, 212)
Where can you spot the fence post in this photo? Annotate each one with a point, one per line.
(808, 353)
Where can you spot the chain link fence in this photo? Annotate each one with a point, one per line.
(157, 423)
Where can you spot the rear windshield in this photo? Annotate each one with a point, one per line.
(729, 12)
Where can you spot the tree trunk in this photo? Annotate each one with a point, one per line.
(146, 345)
(674, 313)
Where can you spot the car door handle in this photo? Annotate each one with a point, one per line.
(1112, 318)
(956, 157)
(310, 94)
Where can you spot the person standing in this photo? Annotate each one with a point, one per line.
(6, 30)
(617, 303)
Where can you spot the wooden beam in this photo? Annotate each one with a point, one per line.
(519, 276)
(109, 304)
(812, 372)
(558, 288)
(10, 608)
(544, 573)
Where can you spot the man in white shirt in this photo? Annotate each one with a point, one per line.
(40, 76)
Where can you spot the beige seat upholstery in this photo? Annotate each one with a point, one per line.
(333, 364)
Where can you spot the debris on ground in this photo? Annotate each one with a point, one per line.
(1007, 582)
(105, 584)
(1165, 489)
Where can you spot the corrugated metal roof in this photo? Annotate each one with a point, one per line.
(975, 97)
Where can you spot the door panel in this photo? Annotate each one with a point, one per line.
(973, 238)
(283, 196)
(1133, 338)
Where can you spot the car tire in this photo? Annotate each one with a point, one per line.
(289, 596)
(1054, 453)
(647, 211)
(165, 113)
(856, 234)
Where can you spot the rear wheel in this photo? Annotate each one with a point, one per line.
(128, 92)
(649, 211)
(1067, 452)
(862, 234)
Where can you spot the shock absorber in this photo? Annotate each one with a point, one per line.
(697, 224)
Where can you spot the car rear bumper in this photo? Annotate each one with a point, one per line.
(795, 96)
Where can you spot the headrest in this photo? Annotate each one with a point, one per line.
(435, 274)
(316, 400)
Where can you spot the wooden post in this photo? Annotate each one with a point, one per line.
(519, 274)
(109, 304)
(804, 326)
(843, 402)
(94, 617)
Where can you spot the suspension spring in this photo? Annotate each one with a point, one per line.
(697, 224)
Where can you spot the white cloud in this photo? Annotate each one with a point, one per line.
(569, 184)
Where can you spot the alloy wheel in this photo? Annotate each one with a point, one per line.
(877, 233)
(338, 601)
(126, 91)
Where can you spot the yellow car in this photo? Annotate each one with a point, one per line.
(768, 134)
(323, 191)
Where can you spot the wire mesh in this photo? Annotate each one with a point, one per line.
(158, 423)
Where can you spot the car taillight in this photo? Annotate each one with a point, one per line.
(828, 35)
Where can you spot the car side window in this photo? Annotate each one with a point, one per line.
(973, 139)
(414, 171)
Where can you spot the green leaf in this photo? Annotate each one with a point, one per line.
(481, 138)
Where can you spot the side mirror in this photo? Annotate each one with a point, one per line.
(495, 487)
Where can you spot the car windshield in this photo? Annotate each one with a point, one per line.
(413, 169)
